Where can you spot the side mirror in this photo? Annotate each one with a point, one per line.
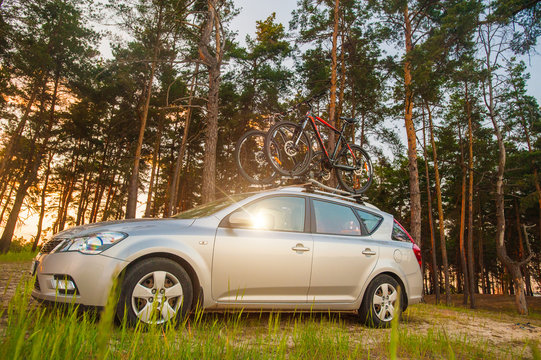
(240, 219)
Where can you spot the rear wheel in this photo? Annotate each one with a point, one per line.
(251, 160)
(288, 149)
(381, 303)
(155, 291)
(358, 177)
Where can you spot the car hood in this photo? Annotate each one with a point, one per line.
(130, 227)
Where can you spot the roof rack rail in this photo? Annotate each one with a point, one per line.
(338, 193)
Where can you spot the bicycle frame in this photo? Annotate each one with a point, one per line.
(341, 139)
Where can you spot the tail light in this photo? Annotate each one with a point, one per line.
(417, 252)
(401, 234)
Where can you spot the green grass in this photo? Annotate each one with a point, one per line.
(29, 331)
(17, 256)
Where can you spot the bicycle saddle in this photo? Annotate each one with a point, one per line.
(349, 120)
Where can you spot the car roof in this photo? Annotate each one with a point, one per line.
(314, 192)
(347, 200)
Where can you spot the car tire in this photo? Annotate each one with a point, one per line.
(155, 291)
(381, 302)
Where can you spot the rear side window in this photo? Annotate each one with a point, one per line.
(400, 234)
(370, 221)
(335, 219)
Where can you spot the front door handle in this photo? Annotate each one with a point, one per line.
(300, 247)
(368, 252)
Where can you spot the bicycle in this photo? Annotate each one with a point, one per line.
(289, 151)
(250, 156)
(251, 159)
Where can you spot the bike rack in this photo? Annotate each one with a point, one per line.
(315, 187)
(334, 192)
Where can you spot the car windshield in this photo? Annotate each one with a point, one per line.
(211, 208)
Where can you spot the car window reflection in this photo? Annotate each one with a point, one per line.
(335, 219)
(281, 213)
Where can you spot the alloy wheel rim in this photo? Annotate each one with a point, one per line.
(383, 301)
(157, 297)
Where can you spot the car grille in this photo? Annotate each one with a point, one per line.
(50, 245)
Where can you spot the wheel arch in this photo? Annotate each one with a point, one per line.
(398, 279)
(198, 295)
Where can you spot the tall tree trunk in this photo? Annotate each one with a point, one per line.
(30, 173)
(173, 193)
(512, 266)
(99, 186)
(133, 186)
(63, 217)
(334, 63)
(213, 63)
(110, 195)
(480, 227)
(435, 280)
(471, 269)
(67, 190)
(154, 165)
(342, 89)
(8, 151)
(27, 180)
(463, 262)
(443, 243)
(415, 195)
(42, 207)
(535, 172)
(11, 183)
(82, 199)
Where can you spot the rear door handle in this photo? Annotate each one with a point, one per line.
(369, 252)
(300, 247)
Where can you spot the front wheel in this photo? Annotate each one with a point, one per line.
(354, 169)
(288, 149)
(155, 291)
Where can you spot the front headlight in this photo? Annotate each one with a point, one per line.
(95, 243)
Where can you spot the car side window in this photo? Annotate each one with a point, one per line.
(335, 219)
(399, 234)
(370, 221)
(279, 213)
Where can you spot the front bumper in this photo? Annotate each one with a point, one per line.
(93, 276)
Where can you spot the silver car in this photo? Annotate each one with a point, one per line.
(284, 249)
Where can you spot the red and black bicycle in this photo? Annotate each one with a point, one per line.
(289, 151)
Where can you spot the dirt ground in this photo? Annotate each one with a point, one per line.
(505, 303)
(10, 275)
(494, 322)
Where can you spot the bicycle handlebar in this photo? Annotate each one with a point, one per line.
(309, 100)
(305, 101)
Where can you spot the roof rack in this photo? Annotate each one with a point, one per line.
(312, 185)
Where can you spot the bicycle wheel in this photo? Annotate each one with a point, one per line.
(251, 159)
(357, 180)
(286, 157)
(321, 169)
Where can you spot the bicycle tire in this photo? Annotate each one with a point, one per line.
(285, 157)
(321, 169)
(251, 160)
(354, 181)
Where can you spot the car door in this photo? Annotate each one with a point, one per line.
(344, 254)
(268, 260)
